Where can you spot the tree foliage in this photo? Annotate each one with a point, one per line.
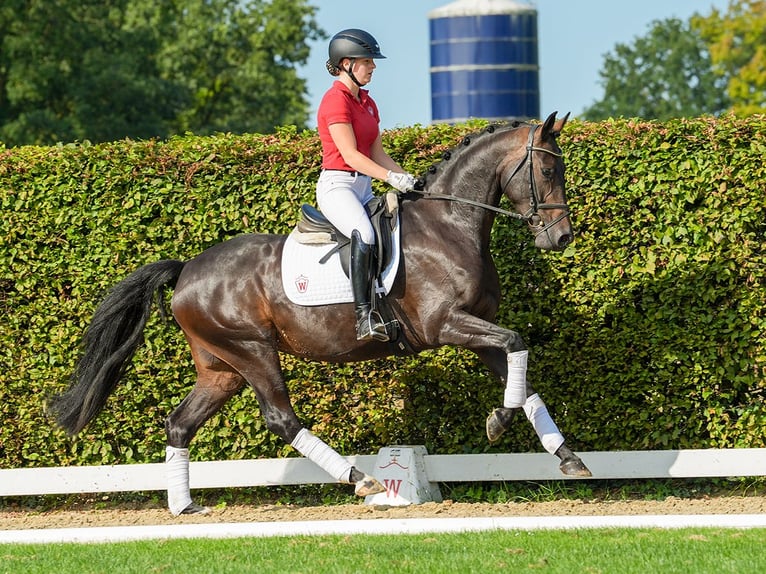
(104, 70)
(666, 74)
(708, 65)
(738, 49)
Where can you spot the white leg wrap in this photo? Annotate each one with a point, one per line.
(322, 455)
(177, 465)
(546, 429)
(516, 381)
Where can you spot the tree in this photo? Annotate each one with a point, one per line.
(665, 74)
(238, 62)
(8, 12)
(738, 50)
(107, 69)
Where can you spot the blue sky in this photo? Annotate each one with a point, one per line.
(574, 36)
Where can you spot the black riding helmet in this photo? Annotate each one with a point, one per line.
(351, 43)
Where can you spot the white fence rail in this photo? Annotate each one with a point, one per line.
(706, 463)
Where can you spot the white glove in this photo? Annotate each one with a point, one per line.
(400, 181)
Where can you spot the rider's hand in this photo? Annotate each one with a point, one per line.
(401, 181)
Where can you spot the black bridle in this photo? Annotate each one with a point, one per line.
(532, 216)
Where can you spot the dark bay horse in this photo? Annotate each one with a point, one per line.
(230, 304)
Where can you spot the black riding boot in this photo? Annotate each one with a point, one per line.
(369, 323)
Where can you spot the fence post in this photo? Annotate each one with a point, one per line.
(402, 470)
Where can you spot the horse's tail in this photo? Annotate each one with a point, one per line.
(111, 340)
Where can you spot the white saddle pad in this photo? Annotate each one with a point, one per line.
(306, 281)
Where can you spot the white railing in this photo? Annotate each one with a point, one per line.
(705, 463)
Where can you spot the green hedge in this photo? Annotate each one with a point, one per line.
(646, 333)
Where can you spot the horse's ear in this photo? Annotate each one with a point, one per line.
(559, 125)
(551, 127)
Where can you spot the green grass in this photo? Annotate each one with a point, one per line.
(595, 551)
(621, 551)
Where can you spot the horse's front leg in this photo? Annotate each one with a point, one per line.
(499, 420)
(504, 352)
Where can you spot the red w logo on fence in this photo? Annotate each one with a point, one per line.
(392, 486)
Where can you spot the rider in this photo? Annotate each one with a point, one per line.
(352, 154)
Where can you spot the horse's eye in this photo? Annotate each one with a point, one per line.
(547, 172)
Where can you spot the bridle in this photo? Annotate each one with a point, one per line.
(532, 216)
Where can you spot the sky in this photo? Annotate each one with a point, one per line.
(573, 37)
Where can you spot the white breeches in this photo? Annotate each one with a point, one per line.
(341, 197)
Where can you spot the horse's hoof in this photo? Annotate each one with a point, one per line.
(498, 422)
(367, 486)
(573, 466)
(195, 508)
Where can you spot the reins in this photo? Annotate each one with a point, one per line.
(433, 195)
(535, 203)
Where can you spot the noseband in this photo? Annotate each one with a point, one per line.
(534, 197)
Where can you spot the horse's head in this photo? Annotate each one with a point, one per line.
(535, 185)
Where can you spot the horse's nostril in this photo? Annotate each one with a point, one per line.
(565, 240)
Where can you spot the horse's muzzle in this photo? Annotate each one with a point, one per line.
(553, 238)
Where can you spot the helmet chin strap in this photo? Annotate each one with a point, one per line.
(350, 72)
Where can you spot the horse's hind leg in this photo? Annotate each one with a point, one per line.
(537, 413)
(262, 371)
(216, 383)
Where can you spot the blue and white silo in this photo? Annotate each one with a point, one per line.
(484, 61)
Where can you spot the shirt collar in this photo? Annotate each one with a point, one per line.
(344, 88)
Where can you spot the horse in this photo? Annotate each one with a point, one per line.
(230, 303)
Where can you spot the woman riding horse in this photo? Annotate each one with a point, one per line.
(352, 153)
(230, 303)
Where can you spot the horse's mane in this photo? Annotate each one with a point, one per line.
(455, 153)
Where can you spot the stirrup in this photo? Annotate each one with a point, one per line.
(371, 327)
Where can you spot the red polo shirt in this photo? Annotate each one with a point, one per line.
(339, 106)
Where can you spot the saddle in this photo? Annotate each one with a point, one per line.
(315, 229)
